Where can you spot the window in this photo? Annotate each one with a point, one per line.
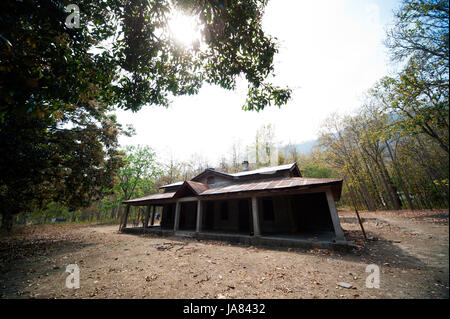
(224, 210)
(268, 213)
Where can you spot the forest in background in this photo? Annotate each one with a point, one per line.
(392, 152)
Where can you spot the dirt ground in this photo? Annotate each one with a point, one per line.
(410, 249)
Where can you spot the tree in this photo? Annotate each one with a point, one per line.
(421, 29)
(263, 150)
(419, 94)
(42, 162)
(138, 174)
(123, 54)
(59, 84)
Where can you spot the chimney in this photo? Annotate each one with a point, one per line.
(245, 166)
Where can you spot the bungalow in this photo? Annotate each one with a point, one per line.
(272, 205)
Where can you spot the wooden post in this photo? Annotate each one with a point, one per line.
(256, 230)
(357, 215)
(335, 217)
(176, 223)
(147, 217)
(153, 215)
(199, 216)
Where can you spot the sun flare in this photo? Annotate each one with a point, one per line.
(185, 29)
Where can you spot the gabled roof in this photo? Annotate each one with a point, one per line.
(211, 171)
(245, 174)
(190, 188)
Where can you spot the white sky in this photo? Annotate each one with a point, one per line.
(331, 52)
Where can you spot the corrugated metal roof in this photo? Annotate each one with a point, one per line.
(198, 187)
(171, 185)
(270, 184)
(201, 190)
(265, 170)
(261, 171)
(150, 197)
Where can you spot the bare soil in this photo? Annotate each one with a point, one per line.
(410, 248)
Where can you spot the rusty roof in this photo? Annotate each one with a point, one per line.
(274, 184)
(151, 197)
(190, 188)
(236, 176)
(197, 187)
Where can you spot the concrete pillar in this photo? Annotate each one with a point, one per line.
(147, 217)
(335, 218)
(176, 223)
(125, 219)
(199, 216)
(255, 214)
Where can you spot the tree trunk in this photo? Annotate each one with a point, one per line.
(390, 189)
(403, 186)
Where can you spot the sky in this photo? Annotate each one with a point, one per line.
(330, 53)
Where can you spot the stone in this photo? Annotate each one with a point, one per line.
(344, 285)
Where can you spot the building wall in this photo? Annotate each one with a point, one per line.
(215, 180)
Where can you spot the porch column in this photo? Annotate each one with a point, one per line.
(153, 215)
(147, 217)
(199, 216)
(335, 218)
(176, 223)
(127, 211)
(256, 230)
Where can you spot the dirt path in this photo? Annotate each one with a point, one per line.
(411, 251)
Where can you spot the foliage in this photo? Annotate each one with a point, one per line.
(123, 54)
(138, 174)
(42, 162)
(418, 95)
(58, 85)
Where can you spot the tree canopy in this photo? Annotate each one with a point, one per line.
(124, 55)
(60, 83)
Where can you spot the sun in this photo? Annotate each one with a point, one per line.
(184, 29)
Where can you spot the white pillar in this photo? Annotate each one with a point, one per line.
(176, 223)
(256, 230)
(199, 216)
(335, 218)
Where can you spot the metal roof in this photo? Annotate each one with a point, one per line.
(150, 198)
(259, 171)
(273, 184)
(173, 184)
(202, 190)
(265, 170)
